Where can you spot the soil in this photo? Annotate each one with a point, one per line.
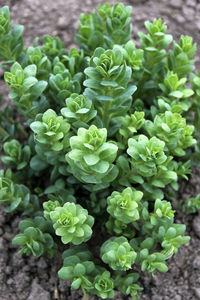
(27, 278)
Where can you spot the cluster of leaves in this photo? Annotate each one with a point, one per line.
(102, 136)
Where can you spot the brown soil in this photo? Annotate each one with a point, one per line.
(23, 278)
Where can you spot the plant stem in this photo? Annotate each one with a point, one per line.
(106, 115)
(86, 297)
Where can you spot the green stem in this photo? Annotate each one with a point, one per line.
(148, 65)
(106, 114)
(86, 297)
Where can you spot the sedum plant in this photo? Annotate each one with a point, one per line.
(72, 223)
(94, 146)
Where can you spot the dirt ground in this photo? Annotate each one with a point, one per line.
(23, 278)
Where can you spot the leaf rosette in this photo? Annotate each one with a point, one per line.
(72, 223)
(91, 156)
(124, 206)
(51, 130)
(118, 254)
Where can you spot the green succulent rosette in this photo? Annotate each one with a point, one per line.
(16, 196)
(118, 254)
(108, 72)
(173, 130)
(48, 207)
(104, 285)
(116, 19)
(124, 206)
(146, 155)
(79, 111)
(34, 55)
(108, 26)
(91, 156)
(17, 156)
(51, 130)
(26, 88)
(35, 237)
(72, 223)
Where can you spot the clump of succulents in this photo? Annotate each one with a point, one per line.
(103, 135)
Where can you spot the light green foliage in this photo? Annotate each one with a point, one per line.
(162, 209)
(152, 262)
(173, 130)
(126, 284)
(108, 84)
(124, 206)
(120, 228)
(111, 25)
(51, 130)
(171, 236)
(53, 46)
(116, 19)
(17, 157)
(78, 266)
(156, 36)
(104, 285)
(26, 89)
(192, 205)
(154, 43)
(91, 157)
(11, 41)
(75, 60)
(50, 206)
(146, 155)
(174, 88)
(72, 223)
(180, 57)
(4, 20)
(16, 196)
(97, 137)
(118, 254)
(130, 124)
(34, 55)
(79, 111)
(133, 56)
(35, 238)
(62, 83)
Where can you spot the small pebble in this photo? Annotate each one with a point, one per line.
(8, 270)
(177, 297)
(9, 281)
(157, 297)
(196, 262)
(180, 19)
(42, 263)
(188, 12)
(37, 292)
(196, 225)
(175, 3)
(198, 24)
(197, 292)
(8, 236)
(63, 22)
(191, 3)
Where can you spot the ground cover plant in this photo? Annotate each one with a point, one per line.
(95, 144)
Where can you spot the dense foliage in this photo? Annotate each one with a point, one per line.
(95, 142)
